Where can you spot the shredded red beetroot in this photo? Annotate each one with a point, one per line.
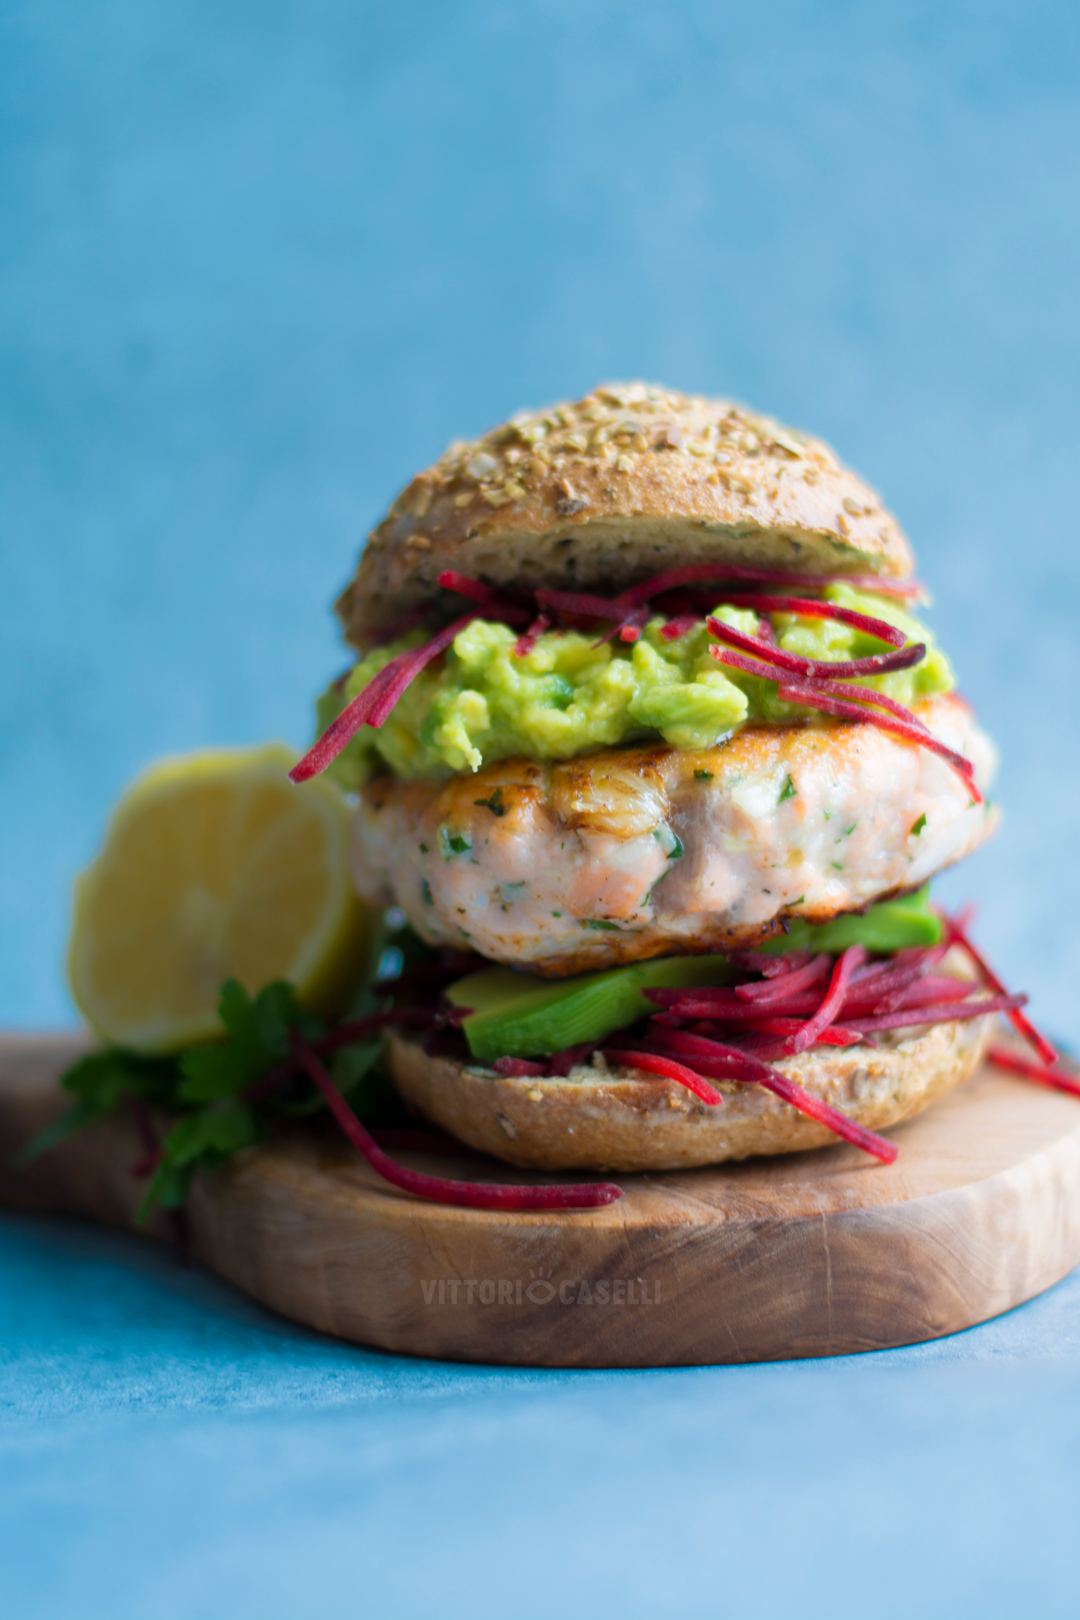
(477, 591)
(582, 604)
(899, 969)
(628, 622)
(570, 1056)
(412, 663)
(824, 1113)
(778, 1024)
(881, 700)
(727, 1062)
(923, 991)
(526, 642)
(668, 1069)
(468, 1194)
(881, 629)
(948, 1012)
(846, 963)
(901, 992)
(628, 628)
(813, 668)
(772, 967)
(779, 987)
(373, 705)
(858, 1009)
(911, 730)
(723, 573)
(958, 929)
(512, 1068)
(679, 626)
(1044, 1073)
(703, 1004)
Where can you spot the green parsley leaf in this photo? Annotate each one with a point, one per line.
(494, 804)
(101, 1082)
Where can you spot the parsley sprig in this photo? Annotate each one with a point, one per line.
(218, 1097)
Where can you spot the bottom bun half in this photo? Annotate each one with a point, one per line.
(624, 1120)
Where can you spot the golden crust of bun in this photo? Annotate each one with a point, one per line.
(626, 1121)
(605, 491)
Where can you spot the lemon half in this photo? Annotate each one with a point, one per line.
(215, 866)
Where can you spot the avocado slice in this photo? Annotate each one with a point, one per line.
(891, 926)
(520, 1015)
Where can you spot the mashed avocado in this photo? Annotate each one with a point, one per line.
(568, 696)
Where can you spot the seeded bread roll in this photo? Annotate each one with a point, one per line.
(606, 491)
(626, 1121)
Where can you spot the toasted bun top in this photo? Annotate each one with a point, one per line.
(603, 492)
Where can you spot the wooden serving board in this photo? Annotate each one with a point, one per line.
(813, 1254)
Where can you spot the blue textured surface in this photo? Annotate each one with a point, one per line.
(260, 261)
(170, 1451)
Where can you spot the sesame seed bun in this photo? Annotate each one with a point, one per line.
(627, 1121)
(603, 492)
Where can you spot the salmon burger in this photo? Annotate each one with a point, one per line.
(651, 747)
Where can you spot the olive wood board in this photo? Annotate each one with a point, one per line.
(808, 1254)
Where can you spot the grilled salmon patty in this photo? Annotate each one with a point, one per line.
(631, 853)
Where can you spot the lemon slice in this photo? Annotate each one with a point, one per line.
(215, 866)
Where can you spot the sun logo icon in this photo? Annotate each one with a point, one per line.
(540, 1291)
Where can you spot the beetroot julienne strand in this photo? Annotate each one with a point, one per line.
(846, 963)
(779, 1024)
(958, 928)
(910, 730)
(881, 700)
(949, 1012)
(512, 1068)
(485, 595)
(729, 1063)
(628, 629)
(853, 1010)
(583, 604)
(415, 661)
(815, 668)
(723, 573)
(679, 626)
(1044, 1073)
(881, 629)
(570, 1056)
(920, 991)
(369, 707)
(778, 989)
(668, 1069)
(467, 1194)
(528, 639)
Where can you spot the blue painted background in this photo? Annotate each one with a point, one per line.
(259, 262)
